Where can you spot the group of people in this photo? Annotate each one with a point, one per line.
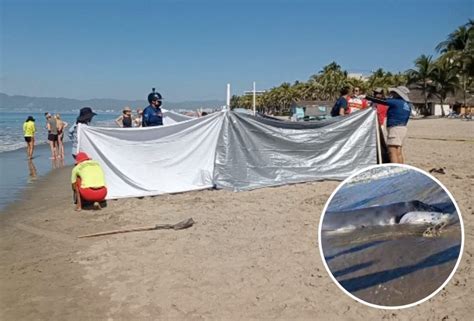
(55, 126)
(393, 110)
(151, 116)
(87, 178)
(126, 120)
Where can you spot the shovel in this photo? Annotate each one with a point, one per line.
(178, 226)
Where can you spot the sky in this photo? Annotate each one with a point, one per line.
(190, 50)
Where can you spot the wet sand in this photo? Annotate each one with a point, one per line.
(392, 265)
(18, 173)
(251, 255)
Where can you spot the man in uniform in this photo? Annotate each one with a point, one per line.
(152, 115)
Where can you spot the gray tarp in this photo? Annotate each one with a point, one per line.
(229, 150)
(255, 152)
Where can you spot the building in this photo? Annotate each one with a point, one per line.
(453, 103)
(312, 109)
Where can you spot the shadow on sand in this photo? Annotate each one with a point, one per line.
(353, 268)
(367, 281)
(353, 250)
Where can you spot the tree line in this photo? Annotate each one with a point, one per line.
(449, 73)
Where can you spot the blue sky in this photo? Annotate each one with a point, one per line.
(190, 50)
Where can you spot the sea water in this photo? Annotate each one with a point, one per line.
(11, 127)
(16, 172)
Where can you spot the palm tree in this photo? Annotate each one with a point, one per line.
(331, 78)
(286, 96)
(246, 101)
(457, 40)
(301, 90)
(422, 75)
(399, 79)
(459, 49)
(357, 82)
(444, 81)
(234, 102)
(377, 79)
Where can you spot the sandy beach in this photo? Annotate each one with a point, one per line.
(250, 255)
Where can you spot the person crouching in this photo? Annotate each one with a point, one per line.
(88, 182)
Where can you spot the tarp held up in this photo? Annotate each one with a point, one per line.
(229, 150)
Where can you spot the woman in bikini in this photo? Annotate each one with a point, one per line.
(61, 125)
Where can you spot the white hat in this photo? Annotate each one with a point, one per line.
(401, 91)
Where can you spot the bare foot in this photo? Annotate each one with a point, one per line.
(78, 209)
(97, 206)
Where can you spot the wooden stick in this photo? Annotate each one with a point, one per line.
(178, 226)
(379, 143)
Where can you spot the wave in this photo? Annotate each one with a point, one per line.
(16, 145)
(12, 138)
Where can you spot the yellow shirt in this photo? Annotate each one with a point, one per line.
(29, 128)
(91, 174)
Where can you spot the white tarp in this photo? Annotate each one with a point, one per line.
(229, 150)
(154, 160)
(171, 117)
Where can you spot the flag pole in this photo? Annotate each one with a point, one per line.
(254, 99)
(228, 97)
(379, 149)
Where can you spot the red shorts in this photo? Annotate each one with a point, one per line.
(92, 194)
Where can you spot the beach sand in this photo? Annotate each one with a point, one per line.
(251, 255)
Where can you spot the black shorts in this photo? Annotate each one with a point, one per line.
(28, 139)
(52, 137)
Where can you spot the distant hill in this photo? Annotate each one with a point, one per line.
(52, 104)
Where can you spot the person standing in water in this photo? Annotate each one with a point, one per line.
(61, 125)
(139, 118)
(52, 128)
(125, 120)
(29, 131)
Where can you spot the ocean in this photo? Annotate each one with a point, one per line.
(389, 264)
(16, 172)
(11, 127)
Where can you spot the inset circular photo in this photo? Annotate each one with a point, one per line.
(391, 236)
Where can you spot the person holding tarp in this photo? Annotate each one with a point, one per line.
(88, 181)
(341, 106)
(381, 108)
(85, 117)
(152, 115)
(398, 114)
